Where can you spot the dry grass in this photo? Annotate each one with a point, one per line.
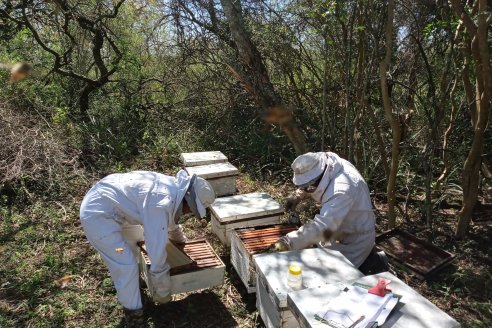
(44, 242)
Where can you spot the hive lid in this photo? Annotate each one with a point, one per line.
(202, 158)
(420, 256)
(258, 204)
(211, 171)
(319, 267)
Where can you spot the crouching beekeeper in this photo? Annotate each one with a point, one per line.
(156, 202)
(346, 222)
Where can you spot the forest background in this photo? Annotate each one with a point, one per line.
(402, 89)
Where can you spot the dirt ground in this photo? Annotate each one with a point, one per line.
(44, 243)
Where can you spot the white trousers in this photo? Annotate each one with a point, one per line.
(104, 233)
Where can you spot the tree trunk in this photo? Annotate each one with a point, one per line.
(478, 34)
(391, 117)
(254, 77)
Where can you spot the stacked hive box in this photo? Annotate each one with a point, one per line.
(243, 211)
(213, 167)
(205, 269)
(222, 176)
(247, 242)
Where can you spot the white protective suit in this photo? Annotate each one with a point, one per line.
(346, 213)
(140, 197)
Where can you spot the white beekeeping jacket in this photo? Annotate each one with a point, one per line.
(150, 199)
(346, 212)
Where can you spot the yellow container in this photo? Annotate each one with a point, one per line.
(294, 279)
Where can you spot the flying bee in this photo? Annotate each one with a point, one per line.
(18, 71)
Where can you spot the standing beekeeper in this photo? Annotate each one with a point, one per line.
(156, 202)
(346, 222)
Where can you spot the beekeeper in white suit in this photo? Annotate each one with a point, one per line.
(156, 202)
(346, 222)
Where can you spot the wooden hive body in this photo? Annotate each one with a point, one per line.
(319, 267)
(205, 271)
(202, 158)
(222, 176)
(243, 211)
(247, 242)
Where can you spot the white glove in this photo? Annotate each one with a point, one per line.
(176, 234)
(281, 245)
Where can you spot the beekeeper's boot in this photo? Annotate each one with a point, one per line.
(135, 318)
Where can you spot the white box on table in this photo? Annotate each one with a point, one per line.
(243, 211)
(202, 158)
(222, 176)
(319, 267)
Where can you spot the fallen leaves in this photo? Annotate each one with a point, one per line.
(75, 280)
(63, 281)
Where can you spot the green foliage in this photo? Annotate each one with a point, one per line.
(173, 91)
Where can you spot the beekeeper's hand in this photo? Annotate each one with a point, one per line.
(280, 245)
(162, 299)
(177, 235)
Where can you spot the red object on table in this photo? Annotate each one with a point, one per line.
(380, 288)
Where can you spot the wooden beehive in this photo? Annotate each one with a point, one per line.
(247, 242)
(319, 267)
(222, 176)
(206, 270)
(243, 211)
(202, 158)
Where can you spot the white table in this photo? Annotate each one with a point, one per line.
(412, 311)
(319, 267)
